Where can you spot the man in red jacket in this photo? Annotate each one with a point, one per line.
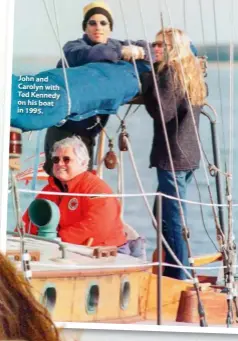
(81, 218)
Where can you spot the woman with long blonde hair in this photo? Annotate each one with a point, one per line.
(21, 316)
(182, 93)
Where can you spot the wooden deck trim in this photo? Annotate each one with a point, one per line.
(86, 273)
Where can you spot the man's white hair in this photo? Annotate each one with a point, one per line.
(78, 146)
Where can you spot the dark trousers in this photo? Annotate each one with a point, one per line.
(172, 225)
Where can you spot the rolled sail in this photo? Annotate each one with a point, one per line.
(41, 101)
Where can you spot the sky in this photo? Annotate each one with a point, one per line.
(33, 34)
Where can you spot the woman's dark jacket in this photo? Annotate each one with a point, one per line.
(178, 120)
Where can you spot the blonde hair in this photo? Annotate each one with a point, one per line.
(21, 316)
(188, 75)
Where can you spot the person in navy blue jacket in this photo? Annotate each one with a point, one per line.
(95, 46)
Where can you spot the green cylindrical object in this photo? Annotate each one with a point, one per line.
(45, 215)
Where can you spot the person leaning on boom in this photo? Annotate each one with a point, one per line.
(95, 46)
(83, 220)
(180, 82)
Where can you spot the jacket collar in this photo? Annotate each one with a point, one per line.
(69, 186)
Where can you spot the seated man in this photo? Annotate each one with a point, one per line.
(81, 218)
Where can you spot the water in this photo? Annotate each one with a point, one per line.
(139, 126)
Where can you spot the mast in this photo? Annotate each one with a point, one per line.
(6, 43)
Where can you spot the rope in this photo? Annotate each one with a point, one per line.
(121, 182)
(37, 160)
(24, 256)
(22, 190)
(190, 106)
(146, 200)
(184, 227)
(229, 277)
(218, 227)
(53, 29)
(140, 183)
(162, 118)
(63, 58)
(128, 266)
(129, 41)
(219, 79)
(202, 26)
(231, 130)
(184, 15)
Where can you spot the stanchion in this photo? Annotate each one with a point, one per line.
(159, 250)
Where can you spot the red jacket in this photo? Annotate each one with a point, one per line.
(82, 218)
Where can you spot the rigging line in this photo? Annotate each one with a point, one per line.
(219, 80)
(20, 226)
(124, 118)
(229, 277)
(129, 41)
(231, 142)
(231, 135)
(204, 153)
(134, 195)
(231, 126)
(181, 212)
(121, 184)
(98, 119)
(196, 130)
(63, 58)
(201, 311)
(200, 197)
(194, 176)
(64, 62)
(196, 182)
(127, 112)
(143, 194)
(121, 122)
(189, 102)
(166, 244)
(195, 127)
(128, 266)
(184, 15)
(202, 215)
(53, 29)
(37, 160)
(219, 231)
(202, 26)
(146, 200)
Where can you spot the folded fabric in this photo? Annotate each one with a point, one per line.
(42, 100)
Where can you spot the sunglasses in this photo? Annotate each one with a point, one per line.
(56, 159)
(158, 44)
(94, 23)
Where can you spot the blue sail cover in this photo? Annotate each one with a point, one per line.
(41, 101)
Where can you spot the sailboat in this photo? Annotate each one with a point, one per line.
(74, 282)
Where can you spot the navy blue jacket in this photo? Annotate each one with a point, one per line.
(83, 51)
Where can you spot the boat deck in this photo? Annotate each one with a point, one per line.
(77, 257)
